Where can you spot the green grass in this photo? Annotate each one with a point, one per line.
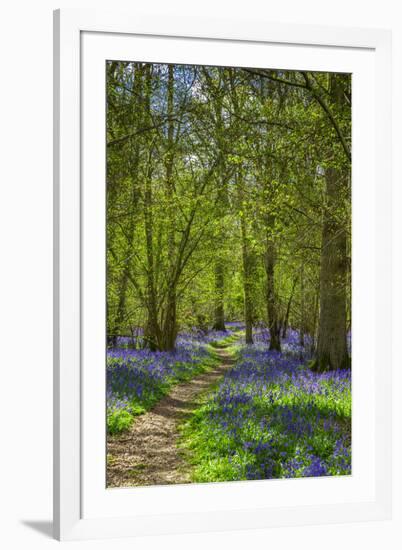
(226, 342)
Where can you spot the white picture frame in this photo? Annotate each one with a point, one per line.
(83, 508)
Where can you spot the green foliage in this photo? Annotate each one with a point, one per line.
(119, 421)
(210, 166)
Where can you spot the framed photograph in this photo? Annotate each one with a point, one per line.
(222, 275)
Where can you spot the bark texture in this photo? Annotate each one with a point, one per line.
(332, 353)
(331, 346)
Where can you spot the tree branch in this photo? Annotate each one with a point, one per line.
(330, 116)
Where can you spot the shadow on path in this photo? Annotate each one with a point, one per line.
(148, 454)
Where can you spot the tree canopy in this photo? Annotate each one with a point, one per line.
(229, 199)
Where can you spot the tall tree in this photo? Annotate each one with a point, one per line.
(128, 234)
(331, 348)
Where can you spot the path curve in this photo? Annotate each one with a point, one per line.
(149, 454)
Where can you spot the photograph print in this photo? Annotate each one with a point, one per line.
(228, 263)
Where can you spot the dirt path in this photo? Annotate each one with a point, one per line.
(148, 454)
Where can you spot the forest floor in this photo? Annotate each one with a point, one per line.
(148, 454)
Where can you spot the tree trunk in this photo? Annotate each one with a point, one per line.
(302, 312)
(314, 325)
(331, 346)
(152, 331)
(120, 317)
(247, 263)
(287, 314)
(247, 254)
(272, 312)
(247, 284)
(222, 205)
(219, 323)
(169, 328)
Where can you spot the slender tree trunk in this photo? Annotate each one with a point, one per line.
(247, 262)
(169, 328)
(302, 312)
(222, 204)
(169, 331)
(287, 314)
(120, 317)
(272, 311)
(247, 253)
(219, 323)
(152, 331)
(315, 318)
(121, 306)
(247, 285)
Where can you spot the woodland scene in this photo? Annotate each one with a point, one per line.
(228, 337)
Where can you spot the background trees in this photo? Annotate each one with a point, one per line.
(228, 199)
